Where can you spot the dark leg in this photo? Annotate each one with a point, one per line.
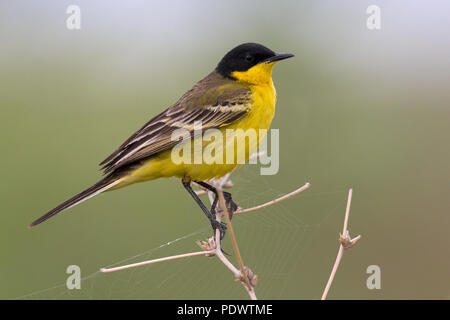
(231, 205)
(214, 223)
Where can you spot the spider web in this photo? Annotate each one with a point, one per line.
(273, 242)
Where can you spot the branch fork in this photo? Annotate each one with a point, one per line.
(346, 242)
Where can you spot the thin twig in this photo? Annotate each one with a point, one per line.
(222, 257)
(346, 243)
(267, 204)
(232, 235)
(143, 263)
(230, 266)
(347, 210)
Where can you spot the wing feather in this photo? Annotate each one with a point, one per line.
(231, 104)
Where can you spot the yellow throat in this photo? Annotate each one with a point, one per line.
(260, 74)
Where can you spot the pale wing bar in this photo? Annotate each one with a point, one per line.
(155, 136)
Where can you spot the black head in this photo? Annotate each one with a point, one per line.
(247, 55)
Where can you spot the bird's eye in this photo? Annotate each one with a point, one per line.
(248, 58)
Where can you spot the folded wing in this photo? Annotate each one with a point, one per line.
(215, 101)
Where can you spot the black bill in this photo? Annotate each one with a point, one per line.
(278, 57)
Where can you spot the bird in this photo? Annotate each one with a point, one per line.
(238, 94)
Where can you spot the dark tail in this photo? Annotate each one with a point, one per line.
(97, 188)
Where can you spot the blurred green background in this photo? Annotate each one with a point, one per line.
(356, 108)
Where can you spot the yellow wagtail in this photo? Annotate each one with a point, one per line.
(238, 94)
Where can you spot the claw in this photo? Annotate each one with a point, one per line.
(219, 225)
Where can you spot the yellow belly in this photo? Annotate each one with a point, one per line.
(259, 117)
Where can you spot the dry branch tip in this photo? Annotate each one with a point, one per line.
(208, 245)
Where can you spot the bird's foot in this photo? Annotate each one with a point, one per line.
(219, 225)
(229, 203)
